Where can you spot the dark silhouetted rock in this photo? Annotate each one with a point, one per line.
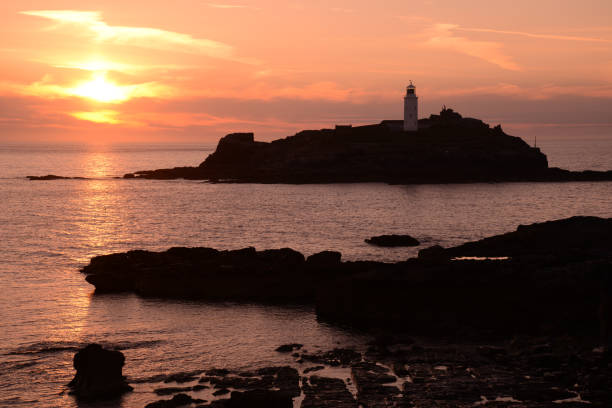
(222, 391)
(433, 253)
(99, 373)
(393, 241)
(323, 392)
(178, 400)
(324, 259)
(288, 348)
(260, 399)
(183, 377)
(313, 369)
(446, 149)
(53, 177)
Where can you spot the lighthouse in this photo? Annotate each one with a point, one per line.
(411, 109)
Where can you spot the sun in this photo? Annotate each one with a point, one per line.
(100, 89)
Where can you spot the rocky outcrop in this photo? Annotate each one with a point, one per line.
(278, 275)
(393, 241)
(447, 149)
(53, 177)
(541, 277)
(99, 373)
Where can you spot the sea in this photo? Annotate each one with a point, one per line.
(50, 229)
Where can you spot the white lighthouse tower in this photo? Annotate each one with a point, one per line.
(411, 109)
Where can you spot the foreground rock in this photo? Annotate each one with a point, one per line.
(99, 373)
(393, 241)
(552, 276)
(447, 149)
(278, 275)
(546, 277)
(396, 371)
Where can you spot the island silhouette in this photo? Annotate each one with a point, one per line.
(446, 148)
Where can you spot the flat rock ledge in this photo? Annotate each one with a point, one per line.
(545, 277)
(531, 372)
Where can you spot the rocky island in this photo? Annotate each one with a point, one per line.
(447, 148)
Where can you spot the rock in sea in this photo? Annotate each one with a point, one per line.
(99, 373)
(393, 241)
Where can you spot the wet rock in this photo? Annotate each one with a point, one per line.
(178, 400)
(260, 399)
(371, 380)
(183, 377)
(312, 369)
(222, 391)
(171, 390)
(335, 357)
(239, 382)
(217, 372)
(99, 373)
(323, 392)
(393, 241)
(288, 348)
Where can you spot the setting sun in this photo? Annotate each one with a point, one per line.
(102, 90)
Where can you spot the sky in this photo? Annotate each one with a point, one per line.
(193, 71)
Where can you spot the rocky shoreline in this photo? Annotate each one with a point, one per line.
(519, 319)
(544, 277)
(400, 371)
(447, 148)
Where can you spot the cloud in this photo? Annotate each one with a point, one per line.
(442, 36)
(106, 116)
(535, 35)
(144, 37)
(230, 6)
(315, 91)
(97, 88)
(542, 92)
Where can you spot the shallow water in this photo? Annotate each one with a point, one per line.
(50, 229)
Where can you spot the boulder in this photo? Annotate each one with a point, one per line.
(393, 241)
(288, 348)
(324, 259)
(433, 253)
(99, 373)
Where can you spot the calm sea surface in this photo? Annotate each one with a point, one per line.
(50, 229)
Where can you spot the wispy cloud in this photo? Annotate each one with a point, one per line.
(144, 37)
(443, 36)
(106, 116)
(535, 35)
(97, 88)
(543, 92)
(230, 6)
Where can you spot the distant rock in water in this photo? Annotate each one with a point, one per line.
(53, 177)
(393, 241)
(99, 373)
(447, 148)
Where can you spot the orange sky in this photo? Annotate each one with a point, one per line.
(192, 70)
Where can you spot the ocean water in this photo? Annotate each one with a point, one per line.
(49, 229)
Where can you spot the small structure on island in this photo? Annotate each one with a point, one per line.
(411, 109)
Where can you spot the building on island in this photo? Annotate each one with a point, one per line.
(411, 109)
(411, 113)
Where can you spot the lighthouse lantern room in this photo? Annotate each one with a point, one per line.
(411, 109)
